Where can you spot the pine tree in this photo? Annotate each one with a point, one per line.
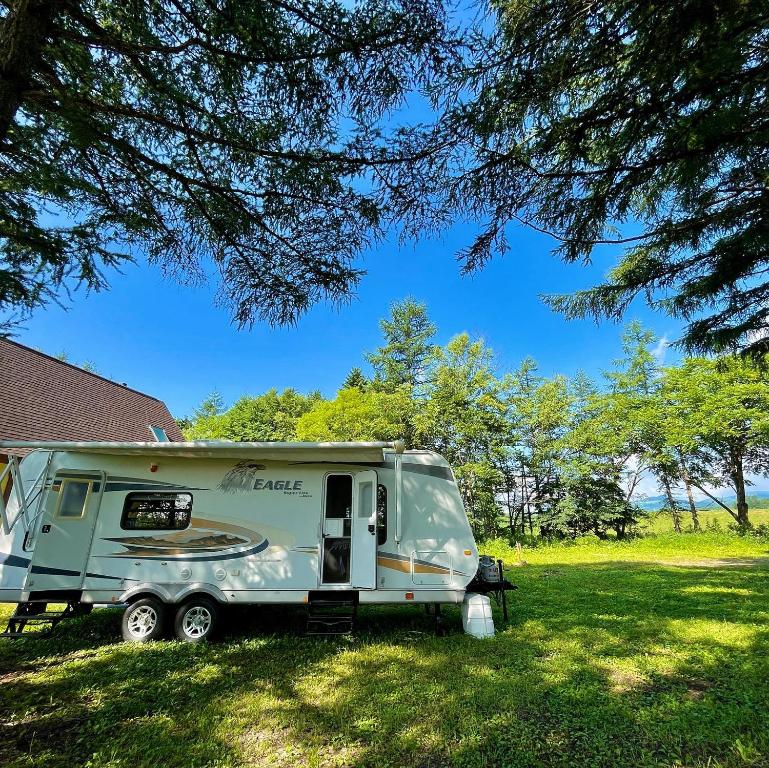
(404, 358)
(233, 138)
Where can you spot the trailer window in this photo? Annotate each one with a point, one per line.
(156, 511)
(381, 514)
(73, 497)
(339, 496)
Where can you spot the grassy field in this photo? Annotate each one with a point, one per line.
(718, 518)
(651, 653)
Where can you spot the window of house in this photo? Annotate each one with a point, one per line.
(159, 434)
(156, 511)
(381, 514)
(73, 497)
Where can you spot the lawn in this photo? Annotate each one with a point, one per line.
(662, 522)
(652, 653)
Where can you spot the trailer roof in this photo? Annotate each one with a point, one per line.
(352, 451)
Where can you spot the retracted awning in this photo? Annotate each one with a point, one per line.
(320, 452)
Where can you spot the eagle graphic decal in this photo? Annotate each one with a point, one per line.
(240, 479)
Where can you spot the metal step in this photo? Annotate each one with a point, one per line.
(330, 614)
(34, 613)
(330, 625)
(326, 603)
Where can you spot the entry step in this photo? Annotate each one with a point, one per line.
(331, 612)
(35, 615)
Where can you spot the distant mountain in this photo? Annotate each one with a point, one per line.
(655, 503)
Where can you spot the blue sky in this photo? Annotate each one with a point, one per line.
(172, 341)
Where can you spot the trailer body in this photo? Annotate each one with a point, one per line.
(107, 523)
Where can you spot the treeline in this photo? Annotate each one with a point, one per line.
(556, 457)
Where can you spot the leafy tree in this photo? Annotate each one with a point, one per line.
(184, 423)
(464, 417)
(625, 421)
(404, 357)
(271, 416)
(539, 413)
(638, 124)
(208, 133)
(579, 504)
(720, 409)
(356, 414)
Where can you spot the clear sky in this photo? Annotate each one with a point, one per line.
(173, 342)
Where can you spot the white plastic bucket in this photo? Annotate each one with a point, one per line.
(476, 616)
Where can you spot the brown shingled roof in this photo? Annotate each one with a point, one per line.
(42, 398)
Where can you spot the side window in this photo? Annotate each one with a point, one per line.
(73, 497)
(381, 514)
(156, 511)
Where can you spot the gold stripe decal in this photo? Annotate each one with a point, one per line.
(395, 563)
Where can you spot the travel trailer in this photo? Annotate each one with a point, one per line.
(175, 531)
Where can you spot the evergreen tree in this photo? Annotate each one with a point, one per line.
(355, 380)
(404, 358)
(243, 137)
(627, 122)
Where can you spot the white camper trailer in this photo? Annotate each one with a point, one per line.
(181, 529)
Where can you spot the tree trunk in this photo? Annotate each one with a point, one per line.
(713, 498)
(692, 506)
(536, 501)
(524, 499)
(740, 490)
(23, 33)
(673, 506)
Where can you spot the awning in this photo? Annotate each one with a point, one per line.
(311, 452)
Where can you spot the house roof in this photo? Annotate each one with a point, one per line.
(310, 452)
(45, 399)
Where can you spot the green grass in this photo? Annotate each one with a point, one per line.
(662, 522)
(638, 654)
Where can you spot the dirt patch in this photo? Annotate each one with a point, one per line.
(625, 680)
(696, 689)
(717, 562)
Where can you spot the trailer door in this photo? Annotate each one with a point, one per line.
(63, 541)
(364, 532)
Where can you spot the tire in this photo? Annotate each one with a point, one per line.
(144, 621)
(196, 620)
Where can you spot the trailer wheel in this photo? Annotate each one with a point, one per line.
(196, 620)
(143, 621)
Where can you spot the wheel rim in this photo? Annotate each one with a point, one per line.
(142, 621)
(197, 621)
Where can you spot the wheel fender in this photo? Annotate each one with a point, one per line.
(200, 589)
(146, 590)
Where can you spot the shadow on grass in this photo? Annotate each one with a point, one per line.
(603, 665)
